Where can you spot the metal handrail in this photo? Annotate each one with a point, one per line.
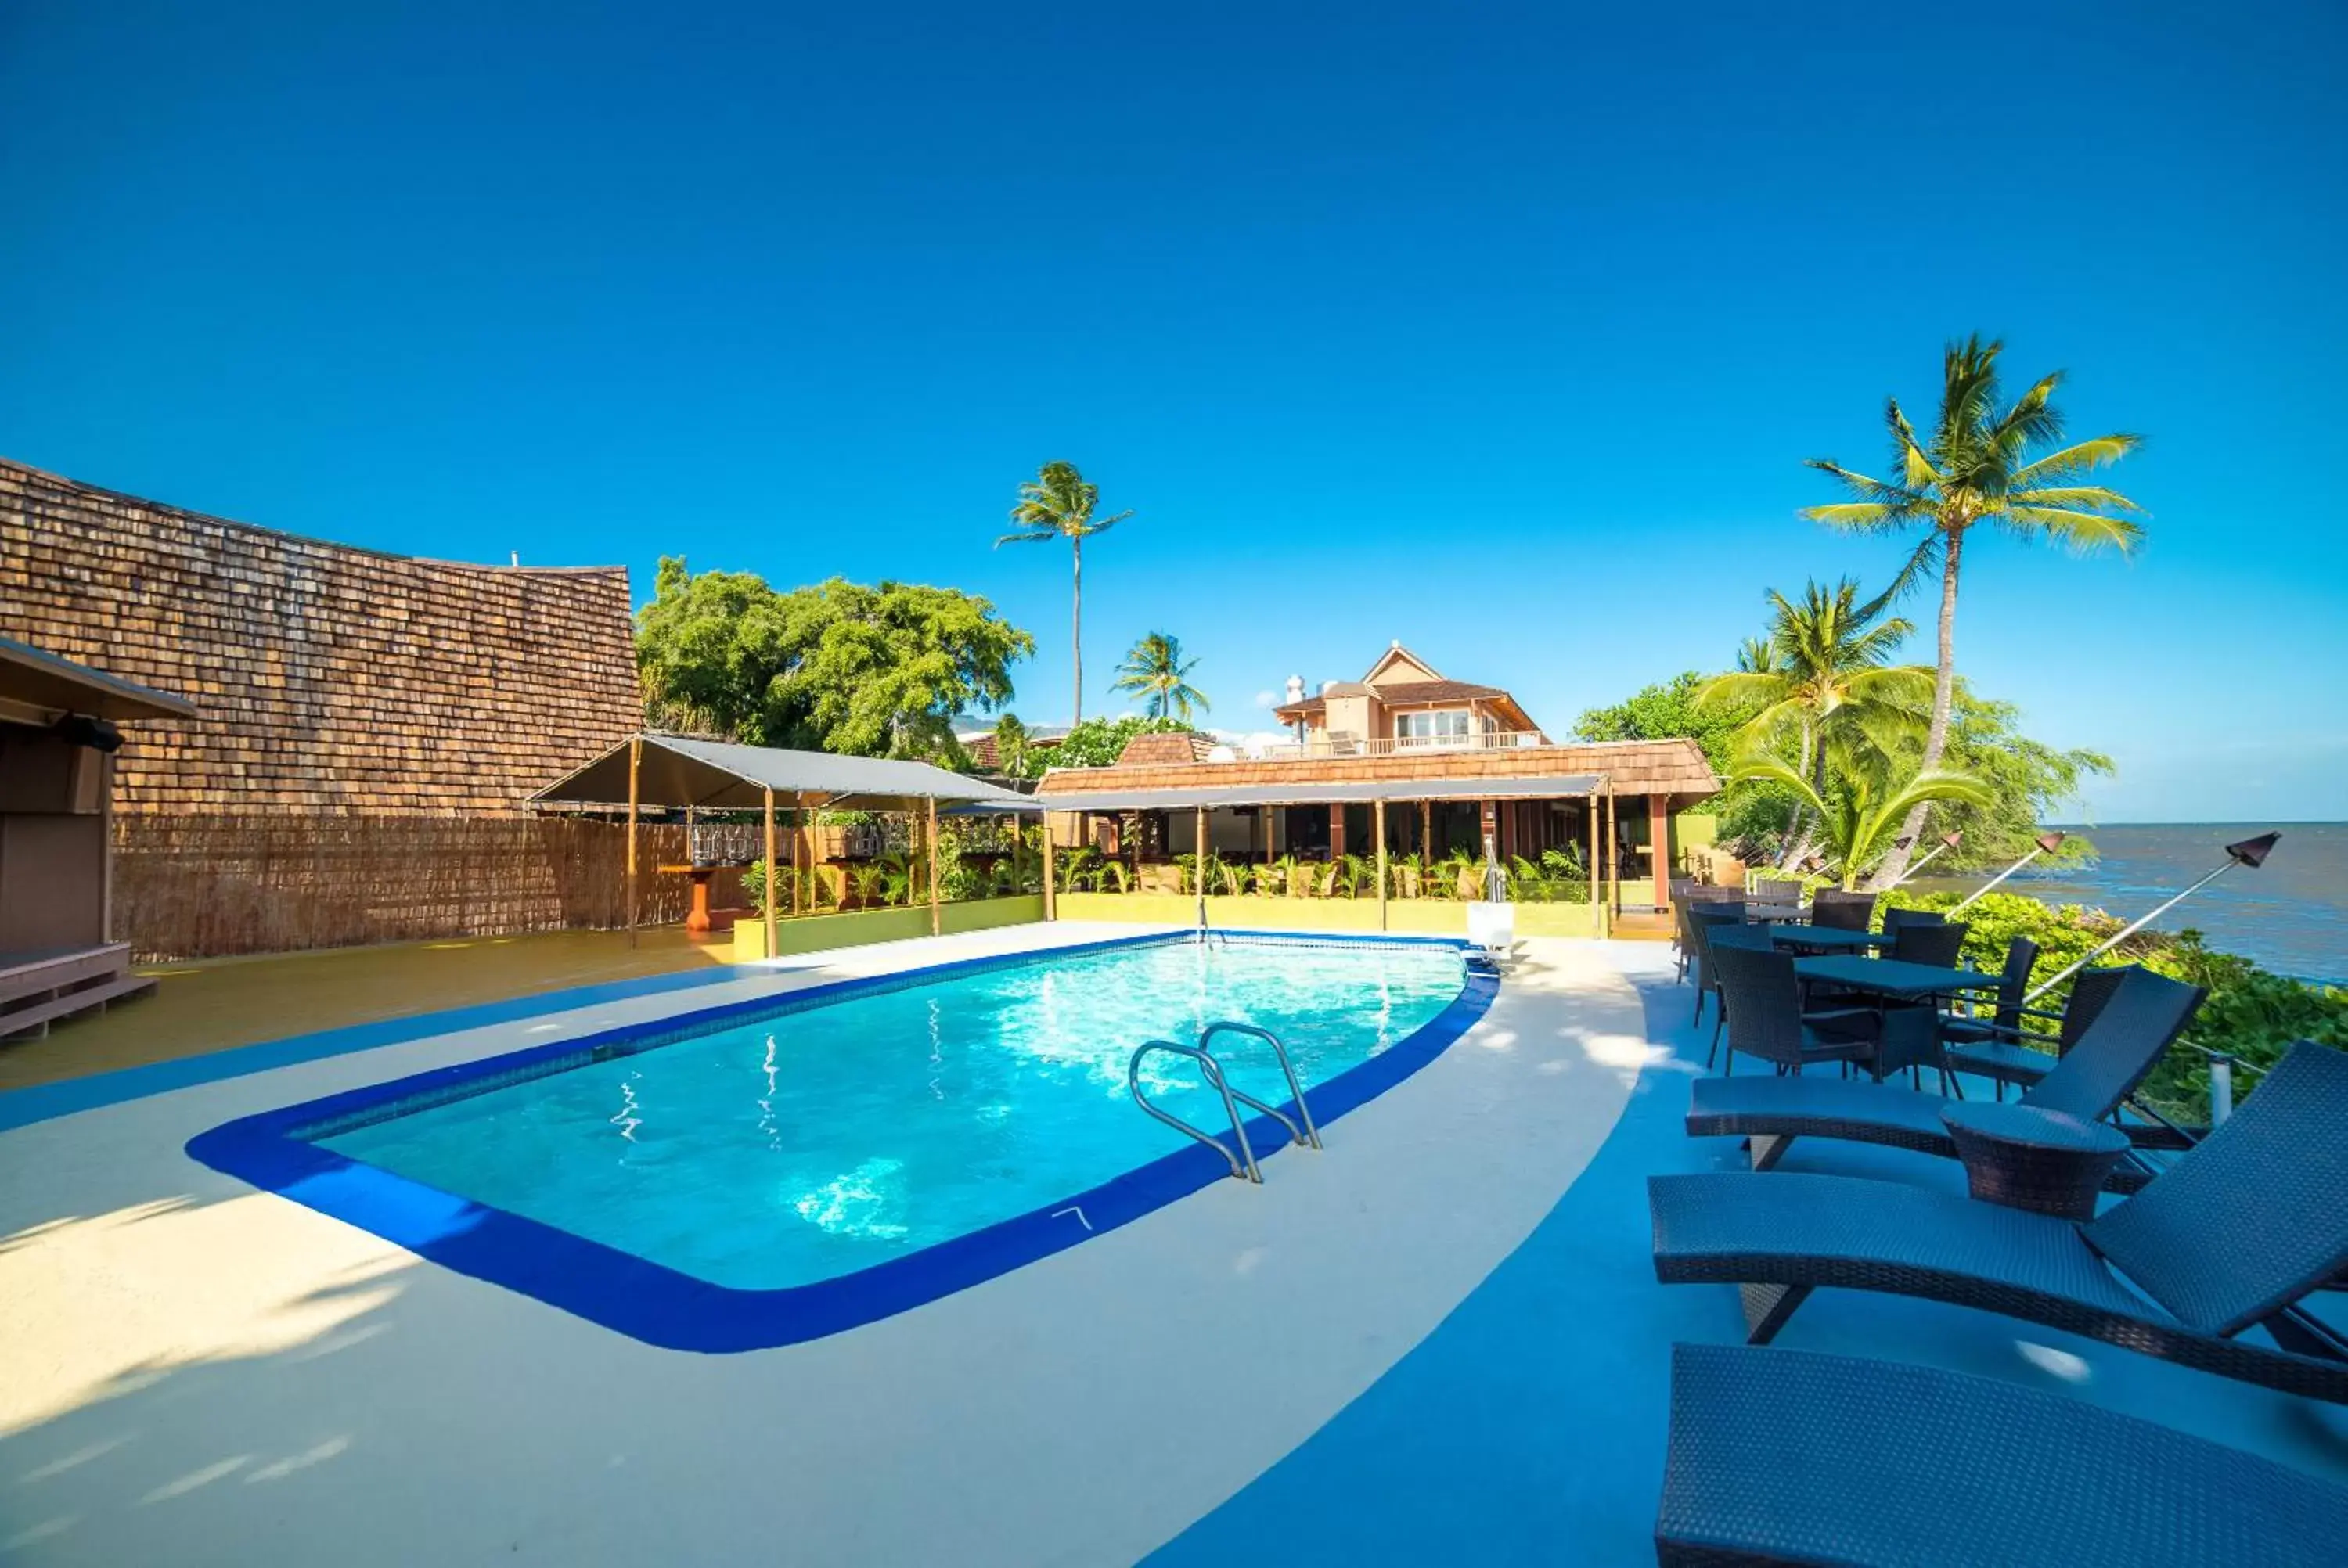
(1243, 1164)
(1296, 1090)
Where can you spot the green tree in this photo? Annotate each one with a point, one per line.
(1859, 818)
(1059, 504)
(837, 666)
(1156, 671)
(2029, 783)
(1012, 746)
(1750, 811)
(1822, 677)
(1984, 464)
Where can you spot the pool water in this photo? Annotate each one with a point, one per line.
(821, 1141)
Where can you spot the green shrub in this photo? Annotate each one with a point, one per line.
(2251, 1015)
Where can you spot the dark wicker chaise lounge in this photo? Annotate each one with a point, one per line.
(2233, 1235)
(1762, 1443)
(2145, 1013)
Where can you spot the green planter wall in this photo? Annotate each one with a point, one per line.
(1428, 917)
(809, 933)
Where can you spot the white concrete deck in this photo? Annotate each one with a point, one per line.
(192, 1372)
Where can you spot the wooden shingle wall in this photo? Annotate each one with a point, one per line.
(328, 678)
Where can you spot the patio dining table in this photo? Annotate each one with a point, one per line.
(1806, 938)
(1909, 1036)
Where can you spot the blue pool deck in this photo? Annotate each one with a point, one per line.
(1439, 1341)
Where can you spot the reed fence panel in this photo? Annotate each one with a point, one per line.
(209, 885)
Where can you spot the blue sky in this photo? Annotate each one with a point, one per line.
(1500, 331)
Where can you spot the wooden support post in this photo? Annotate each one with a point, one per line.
(1613, 854)
(1659, 850)
(1426, 832)
(773, 924)
(1198, 864)
(937, 920)
(1336, 833)
(635, 767)
(1596, 884)
(1051, 893)
(1378, 832)
(105, 832)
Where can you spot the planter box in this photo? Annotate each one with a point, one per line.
(812, 933)
(1416, 916)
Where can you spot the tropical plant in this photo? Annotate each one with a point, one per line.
(1115, 871)
(867, 878)
(1235, 877)
(1155, 670)
(1858, 820)
(1076, 868)
(1983, 464)
(837, 667)
(1059, 504)
(897, 884)
(1823, 676)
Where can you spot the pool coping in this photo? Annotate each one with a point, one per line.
(666, 1308)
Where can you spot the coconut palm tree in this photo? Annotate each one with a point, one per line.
(1156, 671)
(1859, 821)
(1984, 464)
(1059, 504)
(1822, 676)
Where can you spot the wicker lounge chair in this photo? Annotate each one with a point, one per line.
(1702, 922)
(2232, 1237)
(1998, 1048)
(2144, 1014)
(1758, 1471)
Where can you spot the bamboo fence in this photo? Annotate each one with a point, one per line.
(199, 886)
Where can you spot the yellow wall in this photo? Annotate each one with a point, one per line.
(1422, 916)
(811, 933)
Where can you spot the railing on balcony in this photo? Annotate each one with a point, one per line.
(1342, 745)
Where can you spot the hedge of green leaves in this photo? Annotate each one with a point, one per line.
(2251, 1014)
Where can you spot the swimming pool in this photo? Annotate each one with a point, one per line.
(767, 1172)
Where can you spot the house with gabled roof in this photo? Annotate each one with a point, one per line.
(1411, 761)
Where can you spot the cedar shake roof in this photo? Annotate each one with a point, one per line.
(1674, 767)
(1158, 749)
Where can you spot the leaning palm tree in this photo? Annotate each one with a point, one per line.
(1859, 818)
(1979, 468)
(1156, 671)
(1822, 676)
(1057, 503)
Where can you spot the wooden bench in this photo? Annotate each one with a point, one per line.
(39, 988)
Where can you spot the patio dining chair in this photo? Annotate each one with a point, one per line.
(2233, 1237)
(1841, 911)
(2014, 1052)
(2143, 1017)
(1937, 945)
(1761, 1001)
(2123, 1492)
(1703, 920)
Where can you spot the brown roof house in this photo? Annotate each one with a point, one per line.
(1444, 765)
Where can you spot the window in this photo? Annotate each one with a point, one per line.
(1431, 729)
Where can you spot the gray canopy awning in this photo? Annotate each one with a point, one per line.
(676, 772)
(1358, 792)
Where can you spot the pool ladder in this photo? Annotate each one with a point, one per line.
(1243, 1164)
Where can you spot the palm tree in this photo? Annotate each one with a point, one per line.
(1981, 465)
(1057, 503)
(1860, 820)
(1156, 671)
(1823, 677)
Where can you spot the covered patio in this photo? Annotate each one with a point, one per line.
(674, 772)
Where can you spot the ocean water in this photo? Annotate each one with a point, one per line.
(818, 1143)
(2289, 915)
